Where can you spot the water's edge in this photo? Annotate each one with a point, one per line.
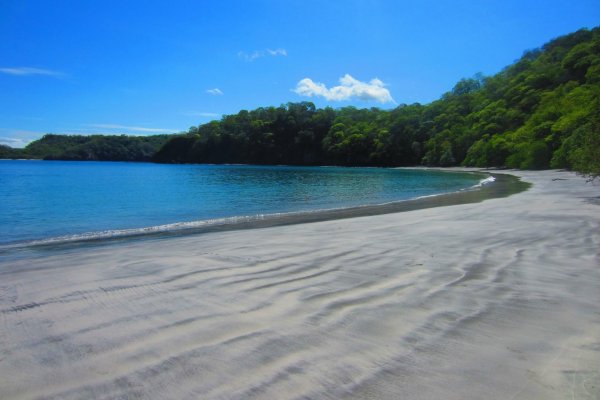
(502, 185)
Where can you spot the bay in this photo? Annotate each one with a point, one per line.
(49, 199)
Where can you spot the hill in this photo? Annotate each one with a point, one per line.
(89, 148)
(543, 111)
(9, 152)
(540, 112)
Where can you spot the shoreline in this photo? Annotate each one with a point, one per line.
(495, 299)
(503, 185)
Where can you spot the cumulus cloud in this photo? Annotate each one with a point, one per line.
(262, 53)
(349, 88)
(215, 92)
(25, 71)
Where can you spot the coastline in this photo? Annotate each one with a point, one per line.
(494, 299)
(501, 185)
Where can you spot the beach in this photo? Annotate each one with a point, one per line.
(496, 299)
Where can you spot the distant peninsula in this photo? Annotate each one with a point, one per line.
(89, 148)
(543, 111)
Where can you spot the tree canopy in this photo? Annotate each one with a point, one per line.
(540, 112)
(543, 111)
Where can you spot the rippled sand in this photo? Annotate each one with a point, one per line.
(494, 300)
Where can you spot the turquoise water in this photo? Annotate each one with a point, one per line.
(49, 199)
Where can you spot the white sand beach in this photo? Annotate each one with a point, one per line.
(492, 300)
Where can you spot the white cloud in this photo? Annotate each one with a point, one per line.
(131, 128)
(24, 71)
(250, 57)
(349, 88)
(262, 53)
(15, 142)
(277, 52)
(201, 114)
(215, 92)
(18, 137)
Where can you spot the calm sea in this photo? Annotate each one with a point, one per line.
(41, 200)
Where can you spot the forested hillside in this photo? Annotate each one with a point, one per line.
(543, 111)
(89, 148)
(540, 112)
(9, 152)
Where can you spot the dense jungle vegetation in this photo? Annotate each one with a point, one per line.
(543, 111)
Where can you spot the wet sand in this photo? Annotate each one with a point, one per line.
(496, 300)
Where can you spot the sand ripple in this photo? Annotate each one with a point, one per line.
(493, 300)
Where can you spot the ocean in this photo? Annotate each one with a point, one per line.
(59, 201)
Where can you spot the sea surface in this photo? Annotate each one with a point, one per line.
(46, 201)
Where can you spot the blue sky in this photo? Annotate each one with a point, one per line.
(146, 67)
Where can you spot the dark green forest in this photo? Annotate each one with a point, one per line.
(543, 111)
(9, 152)
(89, 148)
